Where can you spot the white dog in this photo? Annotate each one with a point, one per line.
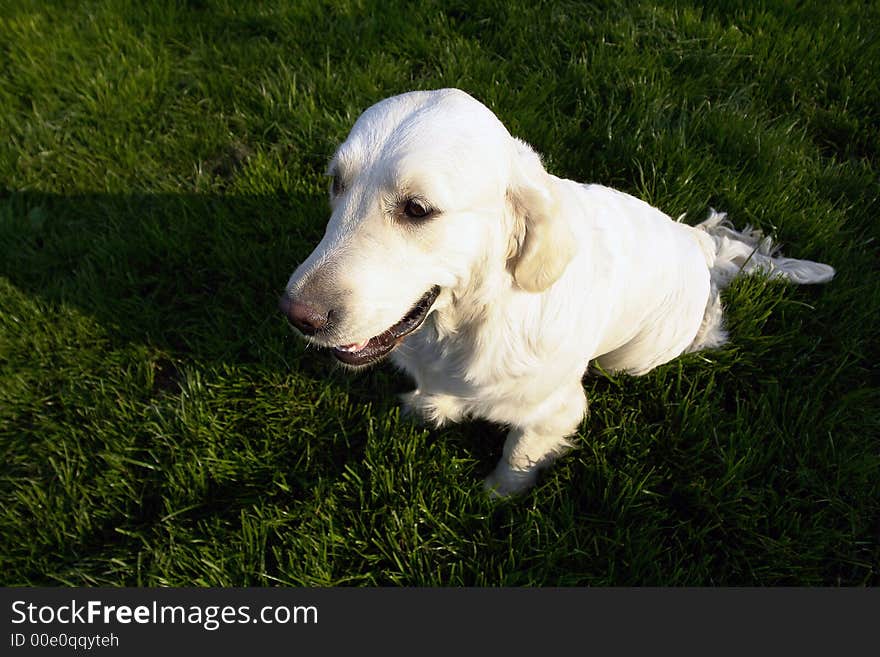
(494, 284)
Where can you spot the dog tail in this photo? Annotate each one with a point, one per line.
(731, 253)
(748, 251)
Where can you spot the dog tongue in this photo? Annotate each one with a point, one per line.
(355, 347)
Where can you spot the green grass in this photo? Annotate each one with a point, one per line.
(161, 175)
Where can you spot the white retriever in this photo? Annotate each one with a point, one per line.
(494, 284)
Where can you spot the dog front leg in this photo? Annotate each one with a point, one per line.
(437, 409)
(530, 447)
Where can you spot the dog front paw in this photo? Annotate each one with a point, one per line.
(505, 481)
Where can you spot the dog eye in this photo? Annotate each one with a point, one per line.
(337, 186)
(416, 209)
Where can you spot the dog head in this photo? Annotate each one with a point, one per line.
(428, 191)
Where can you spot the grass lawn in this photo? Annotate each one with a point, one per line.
(161, 174)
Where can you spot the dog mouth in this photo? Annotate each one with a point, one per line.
(377, 347)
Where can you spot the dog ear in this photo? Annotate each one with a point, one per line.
(542, 244)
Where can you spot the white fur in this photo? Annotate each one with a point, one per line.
(540, 276)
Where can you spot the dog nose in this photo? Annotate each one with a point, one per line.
(308, 319)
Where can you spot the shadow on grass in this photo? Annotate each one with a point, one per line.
(196, 275)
